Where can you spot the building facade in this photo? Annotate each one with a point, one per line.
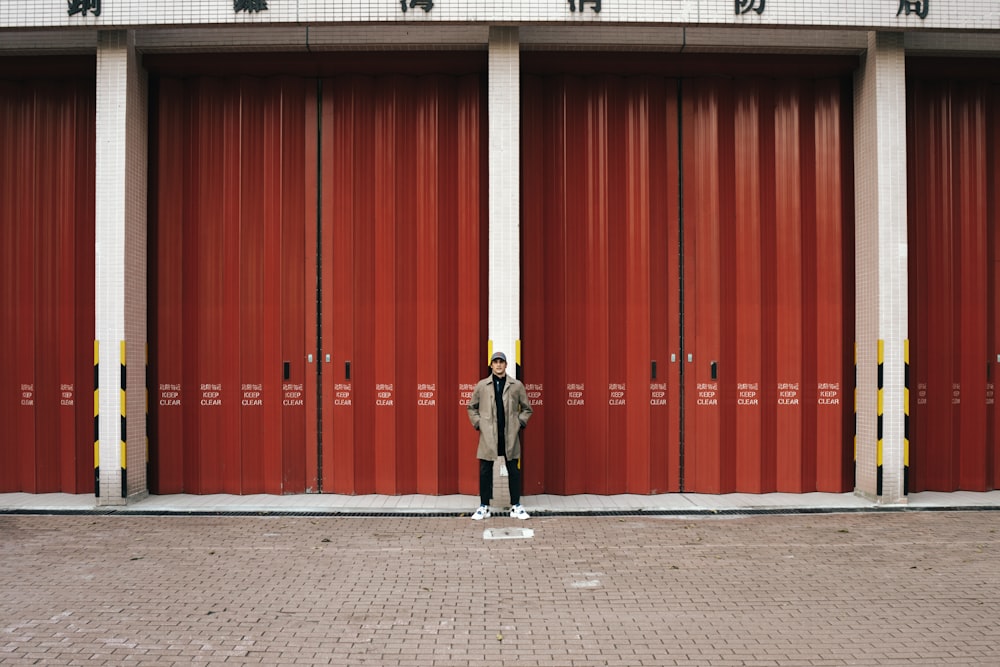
(266, 246)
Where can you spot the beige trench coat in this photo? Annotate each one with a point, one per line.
(483, 415)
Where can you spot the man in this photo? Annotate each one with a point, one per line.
(499, 409)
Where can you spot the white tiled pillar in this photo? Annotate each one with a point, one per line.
(120, 268)
(504, 188)
(881, 273)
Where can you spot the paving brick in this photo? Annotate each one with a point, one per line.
(824, 590)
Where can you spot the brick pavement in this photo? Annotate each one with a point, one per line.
(901, 588)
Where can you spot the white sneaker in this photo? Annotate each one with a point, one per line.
(483, 513)
(517, 512)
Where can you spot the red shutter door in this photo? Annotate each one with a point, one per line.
(229, 291)
(768, 312)
(47, 285)
(599, 244)
(403, 233)
(953, 167)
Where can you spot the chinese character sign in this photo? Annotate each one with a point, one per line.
(919, 7)
(596, 3)
(249, 6)
(75, 7)
(425, 5)
(744, 6)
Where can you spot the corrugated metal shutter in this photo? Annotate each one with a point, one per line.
(47, 285)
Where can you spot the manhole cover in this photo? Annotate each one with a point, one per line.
(508, 533)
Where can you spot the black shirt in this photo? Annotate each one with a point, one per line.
(498, 385)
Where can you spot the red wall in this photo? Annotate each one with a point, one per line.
(47, 285)
(953, 155)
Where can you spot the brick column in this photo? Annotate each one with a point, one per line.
(504, 77)
(505, 194)
(881, 274)
(120, 269)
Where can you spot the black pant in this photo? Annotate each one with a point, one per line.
(486, 481)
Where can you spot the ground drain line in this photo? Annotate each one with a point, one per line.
(535, 513)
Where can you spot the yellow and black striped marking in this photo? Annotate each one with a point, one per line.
(517, 359)
(147, 412)
(881, 409)
(97, 422)
(124, 430)
(855, 406)
(906, 417)
(517, 374)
